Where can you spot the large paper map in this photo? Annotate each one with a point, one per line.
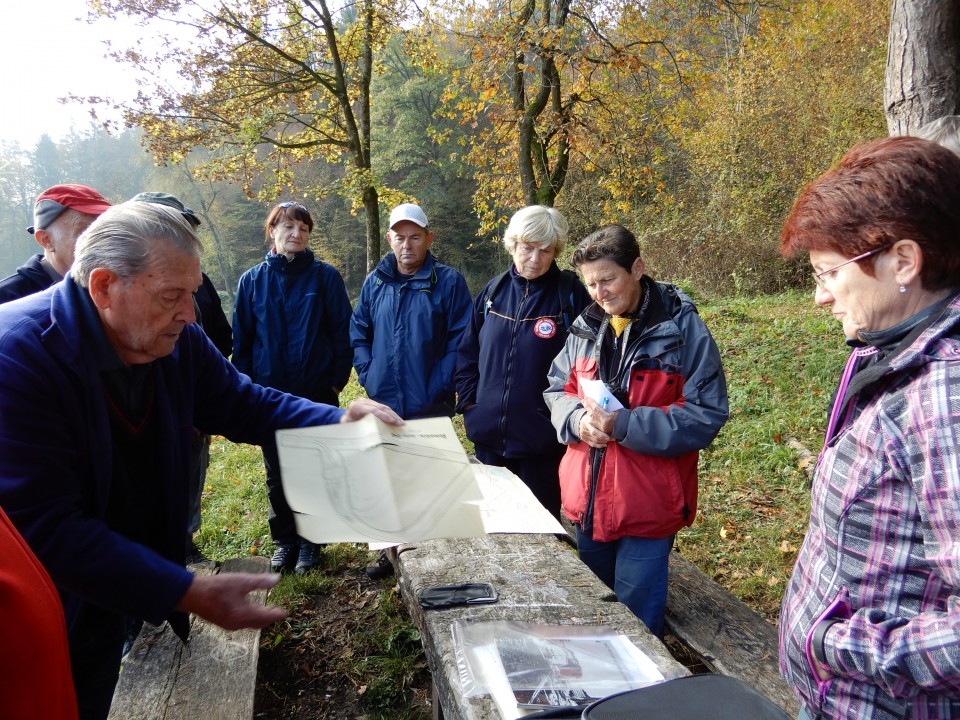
(367, 481)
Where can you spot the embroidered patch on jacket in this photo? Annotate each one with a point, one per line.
(545, 328)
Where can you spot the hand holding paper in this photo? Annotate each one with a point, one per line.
(598, 391)
(601, 406)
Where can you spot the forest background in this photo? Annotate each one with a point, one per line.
(692, 122)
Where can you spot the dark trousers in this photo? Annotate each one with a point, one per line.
(636, 569)
(539, 474)
(198, 476)
(283, 528)
(96, 646)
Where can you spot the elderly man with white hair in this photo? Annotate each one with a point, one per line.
(102, 379)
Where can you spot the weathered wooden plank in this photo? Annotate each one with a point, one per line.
(213, 677)
(539, 580)
(731, 638)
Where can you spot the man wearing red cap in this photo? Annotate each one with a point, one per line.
(60, 215)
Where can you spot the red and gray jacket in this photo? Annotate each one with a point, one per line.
(645, 483)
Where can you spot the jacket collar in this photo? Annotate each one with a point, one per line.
(63, 335)
(664, 302)
(300, 263)
(934, 337)
(552, 272)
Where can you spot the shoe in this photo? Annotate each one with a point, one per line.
(308, 557)
(382, 568)
(283, 558)
(194, 555)
(132, 630)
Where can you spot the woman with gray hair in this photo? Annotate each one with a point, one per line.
(519, 324)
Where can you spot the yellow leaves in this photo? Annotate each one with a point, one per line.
(787, 547)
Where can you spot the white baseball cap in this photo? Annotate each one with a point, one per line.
(409, 212)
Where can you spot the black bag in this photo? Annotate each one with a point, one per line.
(695, 697)
(444, 596)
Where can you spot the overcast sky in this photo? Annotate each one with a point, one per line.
(48, 51)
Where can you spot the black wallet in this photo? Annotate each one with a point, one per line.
(442, 596)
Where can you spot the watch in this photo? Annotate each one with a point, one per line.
(816, 642)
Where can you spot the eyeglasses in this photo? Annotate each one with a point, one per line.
(286, 205)
(820, 278)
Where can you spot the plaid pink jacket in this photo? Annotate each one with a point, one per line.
(882, 550)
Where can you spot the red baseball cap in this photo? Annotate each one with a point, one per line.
(53, 201)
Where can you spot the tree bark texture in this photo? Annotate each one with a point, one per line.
(923, 63)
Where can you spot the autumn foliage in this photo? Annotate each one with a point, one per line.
(695, 122)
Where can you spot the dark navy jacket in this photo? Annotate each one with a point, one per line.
(56, 453)
(211, 317)
(503, 361)
(31, 277)
(291, 326)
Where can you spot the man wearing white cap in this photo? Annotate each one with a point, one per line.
(407, 326)
(60, 215)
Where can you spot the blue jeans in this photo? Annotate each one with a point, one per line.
(636, 570)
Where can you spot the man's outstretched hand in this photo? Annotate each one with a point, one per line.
(224, 600)
(361, 407)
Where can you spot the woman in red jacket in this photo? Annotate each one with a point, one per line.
(628, 480)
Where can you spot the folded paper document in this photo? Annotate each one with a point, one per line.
(367, 481)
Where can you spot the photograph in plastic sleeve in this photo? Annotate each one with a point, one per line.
(552, 665)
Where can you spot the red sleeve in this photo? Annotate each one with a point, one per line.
(35, 679)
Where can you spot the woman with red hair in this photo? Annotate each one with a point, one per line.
(870, 625)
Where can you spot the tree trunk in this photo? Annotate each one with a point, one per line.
(923, 63)
(371, 206)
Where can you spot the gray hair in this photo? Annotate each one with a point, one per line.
(537, 225)
(943, 131)
(129, 238)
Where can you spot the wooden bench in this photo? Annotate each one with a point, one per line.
(213, 677)
(539, 579)
(728, 636)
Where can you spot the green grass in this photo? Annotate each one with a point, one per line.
(782, 357)
(385, 650)
(234, 503)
